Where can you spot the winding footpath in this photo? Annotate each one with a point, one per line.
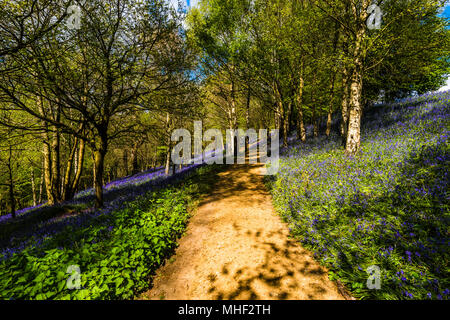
(237, 247)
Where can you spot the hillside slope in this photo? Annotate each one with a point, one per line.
(388, 206)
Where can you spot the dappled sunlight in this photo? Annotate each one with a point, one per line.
(236, 247)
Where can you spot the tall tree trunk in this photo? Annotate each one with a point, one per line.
(355, 108)
(47, 173)
(277, 117)
(155, 158)
(41, 183)
(55, 154)
(79, 169)
(99, 161)
(169, 142)
(33, 187)
(344, 105)
(134, 162)
(247, 109)
(134, 157)
(286, 127)
(125, 161)
(55, 166)
(12, 199)
(247, 119)
(233, 99)
(66, 185)
(330, 106)
(329, 119)
(301, 131)
(46, 151)
(355, 112)
(167, 166)
(315, 121)
(61, 189)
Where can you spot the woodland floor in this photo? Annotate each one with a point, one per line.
(237, 247)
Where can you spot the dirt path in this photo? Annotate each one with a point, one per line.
(237, 247)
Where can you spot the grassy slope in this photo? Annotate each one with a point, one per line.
(388, 206)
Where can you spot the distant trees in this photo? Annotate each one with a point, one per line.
(80, 107)
(303, 60)
(405, 24)
(18, 182)
(7, 161)
(86, 85)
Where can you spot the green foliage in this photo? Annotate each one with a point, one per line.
(116, 259)
(388, 206)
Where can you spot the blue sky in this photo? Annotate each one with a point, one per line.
(446, 12)
(189, 3)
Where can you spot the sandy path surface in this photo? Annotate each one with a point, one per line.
(237, 247)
